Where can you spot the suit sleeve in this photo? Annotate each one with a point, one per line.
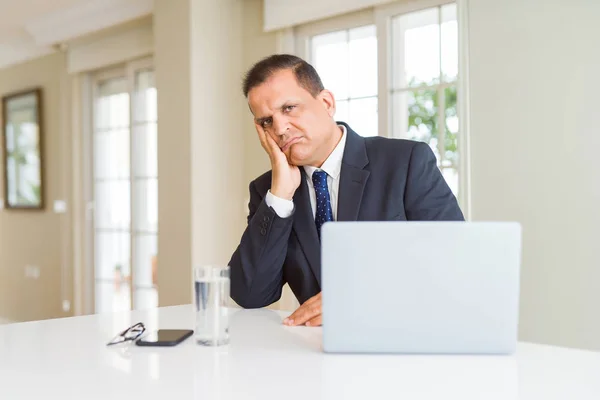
(427, 196)
(257, 263)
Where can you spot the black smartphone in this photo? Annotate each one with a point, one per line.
(164, 337)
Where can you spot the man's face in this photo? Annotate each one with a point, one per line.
(300, 124)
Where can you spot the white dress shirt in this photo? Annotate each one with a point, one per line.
(332, 166)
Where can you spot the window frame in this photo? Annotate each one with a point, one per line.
(303, 33)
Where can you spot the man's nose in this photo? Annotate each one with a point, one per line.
(280, 125)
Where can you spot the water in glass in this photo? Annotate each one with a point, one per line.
(211, 287)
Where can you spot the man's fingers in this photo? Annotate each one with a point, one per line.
(316, 321)
(267, 142)
(274, 149)
(304, 313)
(262, 136)
(291, 320)
(310, 309)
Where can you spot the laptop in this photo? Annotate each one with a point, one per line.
(420, 287)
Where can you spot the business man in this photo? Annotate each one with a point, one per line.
(321, 170)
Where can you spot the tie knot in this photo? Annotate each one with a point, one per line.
(319, 179)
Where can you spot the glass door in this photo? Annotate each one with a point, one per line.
(125, 188)
(144, 190)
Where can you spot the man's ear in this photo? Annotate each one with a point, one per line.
(328, 101)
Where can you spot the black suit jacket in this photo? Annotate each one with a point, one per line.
(381, 180)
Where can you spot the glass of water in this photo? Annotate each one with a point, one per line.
(211, 291)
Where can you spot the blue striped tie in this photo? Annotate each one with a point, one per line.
(324, 212)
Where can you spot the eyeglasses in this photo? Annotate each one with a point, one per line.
(129, 334)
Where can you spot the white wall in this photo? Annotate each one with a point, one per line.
(217, 144)
(172, 60)
(535, 102)
(198, 58)
(41, 238)
(257, 45)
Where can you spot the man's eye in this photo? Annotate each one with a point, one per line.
(288, 108)
(266, 123)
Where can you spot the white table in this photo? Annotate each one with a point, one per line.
(68, 359)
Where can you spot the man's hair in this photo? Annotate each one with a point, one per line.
(306, 75)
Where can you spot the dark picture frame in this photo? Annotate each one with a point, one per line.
(22, 136)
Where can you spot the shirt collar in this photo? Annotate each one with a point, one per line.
(333, 165)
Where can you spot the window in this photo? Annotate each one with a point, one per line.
(423, 83)
(393, 70)
(125, 188)
(346, 60)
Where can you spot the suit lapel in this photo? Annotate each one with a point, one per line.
(306, 229)
(353, 177)
(352, 186)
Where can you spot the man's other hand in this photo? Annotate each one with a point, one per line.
(308, 314)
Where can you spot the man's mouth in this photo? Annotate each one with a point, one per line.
(289, 143)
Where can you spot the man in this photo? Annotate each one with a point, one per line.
(320, 171)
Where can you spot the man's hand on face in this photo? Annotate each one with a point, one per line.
(286, 177)
(308, 313)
